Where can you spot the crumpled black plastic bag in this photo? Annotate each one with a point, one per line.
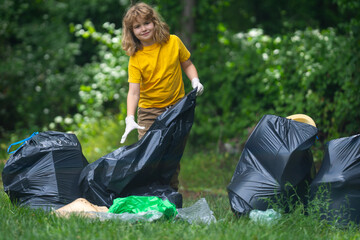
(338, 180)
(161, 191)
(151, 160)
(276, 154)
(44, 172)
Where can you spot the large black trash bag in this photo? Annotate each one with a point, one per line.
(276, 161)
(44, 172)
(338, 181)
(152, 160)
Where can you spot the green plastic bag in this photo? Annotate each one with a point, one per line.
(140, 204)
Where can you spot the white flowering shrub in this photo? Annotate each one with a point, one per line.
(250, 74)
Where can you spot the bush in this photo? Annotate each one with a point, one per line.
(102, 92)
(41, 60)
(248, 75)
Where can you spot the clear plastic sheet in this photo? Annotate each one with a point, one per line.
(148, 216)
(198, 213)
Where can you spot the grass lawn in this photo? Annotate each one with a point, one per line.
(203, 175)
(23, 223)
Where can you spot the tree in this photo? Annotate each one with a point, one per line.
(187, 22)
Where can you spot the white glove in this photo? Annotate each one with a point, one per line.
(195, 83)
(130, 125)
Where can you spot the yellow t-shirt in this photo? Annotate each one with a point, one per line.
(157, 68)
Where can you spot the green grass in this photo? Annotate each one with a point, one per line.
(23, 223)
(207, 172)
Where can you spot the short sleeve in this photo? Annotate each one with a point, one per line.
(134, 71)
(184, 53)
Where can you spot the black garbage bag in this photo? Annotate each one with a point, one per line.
(152, 160)
(276, 161)
(161, 191)
(338, 181)
(44, 172)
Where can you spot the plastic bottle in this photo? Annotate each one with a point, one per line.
(268, 216)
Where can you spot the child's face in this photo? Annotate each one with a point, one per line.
(144, 31)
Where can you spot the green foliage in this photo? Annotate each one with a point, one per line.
(170, 12)
(34, 67)
(248, 75)
(40, 78)
(280, 17)
(350, 9)
(103, 81)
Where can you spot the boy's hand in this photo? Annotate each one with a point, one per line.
(195, 83)
(130, 125)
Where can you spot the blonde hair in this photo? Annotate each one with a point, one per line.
(130, 43)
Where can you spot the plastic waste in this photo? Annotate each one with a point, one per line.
(148, 216)
(161, 191)
(276, 161)
(140, 204)
(151, 161)
(268, 216)
(82, 207)
(197, 213)
(337, 182)
(44, 171)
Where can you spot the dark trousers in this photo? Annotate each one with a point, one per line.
(146, 117)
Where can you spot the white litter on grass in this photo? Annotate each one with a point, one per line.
(198, 213)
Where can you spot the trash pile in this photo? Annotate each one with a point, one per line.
(277, 164)
(49, 171)
(131, 183)
(140, 209)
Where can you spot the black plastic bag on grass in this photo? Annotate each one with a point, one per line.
(338, 181)
(150, 161)
(44, 172)
(276, 162)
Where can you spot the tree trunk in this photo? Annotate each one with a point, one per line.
(187, 22)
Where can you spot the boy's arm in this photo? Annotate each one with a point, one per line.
(132, 102)
(133, 98)
(191, 72)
